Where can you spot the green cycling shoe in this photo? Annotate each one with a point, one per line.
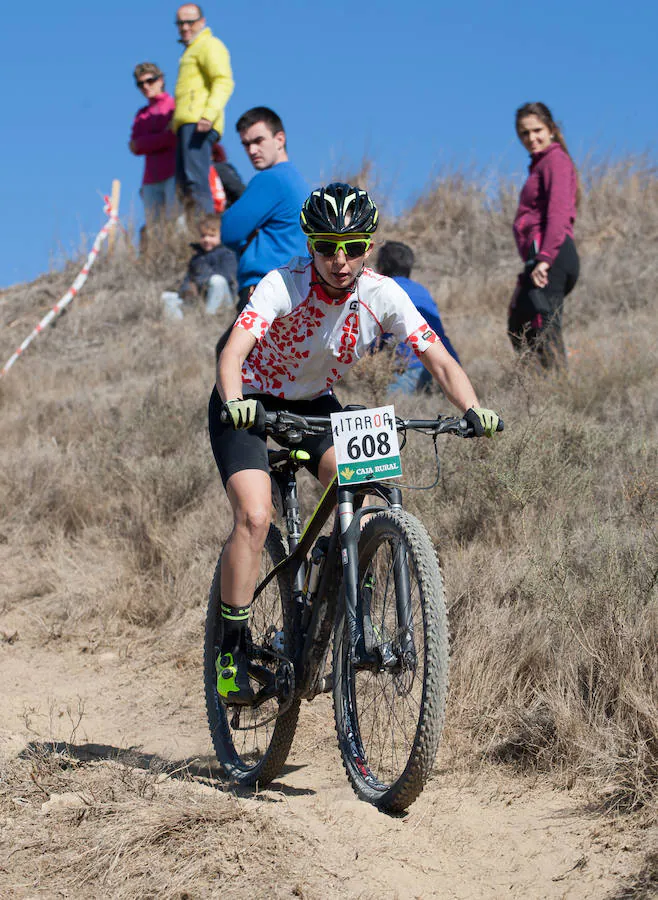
(233, 684)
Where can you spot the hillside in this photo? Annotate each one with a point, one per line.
(112, 516)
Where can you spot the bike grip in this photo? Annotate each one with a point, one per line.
(500, 426)
(260, 418)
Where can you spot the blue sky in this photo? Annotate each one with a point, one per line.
(415, 85)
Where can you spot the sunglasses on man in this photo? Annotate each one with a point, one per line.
(180, 22)
(151, 80)
(327, 246)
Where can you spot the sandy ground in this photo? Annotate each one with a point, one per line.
(470, 835)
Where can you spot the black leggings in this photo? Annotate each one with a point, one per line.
(535, 314)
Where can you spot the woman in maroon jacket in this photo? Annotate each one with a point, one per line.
(543, 228)
(152, 138)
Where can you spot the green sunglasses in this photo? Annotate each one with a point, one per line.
(328, 245)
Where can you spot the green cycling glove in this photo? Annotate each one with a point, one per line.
(483, 421)
(244, 413)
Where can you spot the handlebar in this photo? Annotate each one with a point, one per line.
(293, 426)
(442, 425)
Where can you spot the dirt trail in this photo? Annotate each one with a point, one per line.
(487, 835)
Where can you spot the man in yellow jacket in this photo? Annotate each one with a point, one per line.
(204, 85)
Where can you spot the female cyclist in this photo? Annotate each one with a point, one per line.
(304, 326)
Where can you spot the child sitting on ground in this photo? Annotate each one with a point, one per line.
(211, 273)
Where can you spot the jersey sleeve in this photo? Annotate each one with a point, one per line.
(400, 317)
(269, 301)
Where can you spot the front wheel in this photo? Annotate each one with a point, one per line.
(252, 743)
(389, 715)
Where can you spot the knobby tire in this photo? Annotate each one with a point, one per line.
(254, 756)
(389, 722)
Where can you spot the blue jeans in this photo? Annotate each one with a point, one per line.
(193, 155)
(412, 381)
(158, 198)
(218, 294)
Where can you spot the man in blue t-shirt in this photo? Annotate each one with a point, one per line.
(262, 226)
(396, 260)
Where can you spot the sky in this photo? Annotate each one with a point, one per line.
(417, 86)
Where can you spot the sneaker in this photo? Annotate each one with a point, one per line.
(233, 684)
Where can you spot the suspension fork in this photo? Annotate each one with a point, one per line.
(359, 624)
(362, 637)
(402, 584)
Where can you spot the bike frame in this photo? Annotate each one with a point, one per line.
(314, 626)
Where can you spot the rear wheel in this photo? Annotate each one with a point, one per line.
(389, 716)
(252, 743)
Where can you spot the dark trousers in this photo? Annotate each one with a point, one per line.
(193, 158)
(535, 315)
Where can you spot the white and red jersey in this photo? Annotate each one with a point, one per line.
(307, 341)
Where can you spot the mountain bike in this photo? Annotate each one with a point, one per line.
(374, 585)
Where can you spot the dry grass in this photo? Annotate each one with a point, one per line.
(112, 514)
(107, 829)
(645, 885)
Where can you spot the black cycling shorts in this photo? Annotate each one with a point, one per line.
(246, 448)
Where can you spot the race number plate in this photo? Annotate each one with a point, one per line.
(366, 442)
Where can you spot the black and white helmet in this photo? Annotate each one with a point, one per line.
(339, 209)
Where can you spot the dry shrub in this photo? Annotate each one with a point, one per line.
(549, 551)
(108, 829)
(113, 514)
(619, 224)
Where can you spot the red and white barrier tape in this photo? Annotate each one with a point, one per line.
(73, 290)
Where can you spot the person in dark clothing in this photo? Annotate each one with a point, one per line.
(211, 273)
(543, 228)
(396, 260)
(234, 186)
